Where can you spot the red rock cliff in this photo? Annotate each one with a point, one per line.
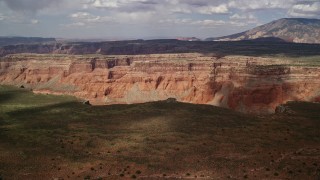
(246, 84)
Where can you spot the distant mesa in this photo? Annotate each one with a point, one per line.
(297, 30)
(188, 39)
(266, 39)
(15, 40)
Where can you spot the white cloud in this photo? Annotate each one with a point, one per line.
(164, 6)
(139, 15)
(307, 7)
(17, 19)
(238, 17)
(82, 18)
(34, 21)
(238, 24)
(200, 23)
(136, 17)
(305, 10)
(105, 3)
(297, 8)
(260, 4)
(220, 9)
(125, 5)
(86, 19)
(207, 7)
(176, 21)
(2, 17)
(209, 22)
(242, 19)
(75, 24)
(181, 9)
(30, 5)
(297, 14)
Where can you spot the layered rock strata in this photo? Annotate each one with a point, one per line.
(246, 84)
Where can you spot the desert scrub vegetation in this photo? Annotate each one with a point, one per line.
(59, 137)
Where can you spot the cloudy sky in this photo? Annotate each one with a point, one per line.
(129, 19)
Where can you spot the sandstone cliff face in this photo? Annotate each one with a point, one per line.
(246, 84)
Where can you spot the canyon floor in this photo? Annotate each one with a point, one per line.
(59, 137)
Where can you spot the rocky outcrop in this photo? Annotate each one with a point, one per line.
(246, 84)
(283, 109)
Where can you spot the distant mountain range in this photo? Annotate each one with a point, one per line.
(14, 40)
(298, 30)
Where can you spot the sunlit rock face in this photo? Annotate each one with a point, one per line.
(297, 30)
(246, 84)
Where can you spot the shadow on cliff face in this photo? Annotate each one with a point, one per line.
(264, 91)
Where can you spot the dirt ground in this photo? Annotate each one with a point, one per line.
(58, 137)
